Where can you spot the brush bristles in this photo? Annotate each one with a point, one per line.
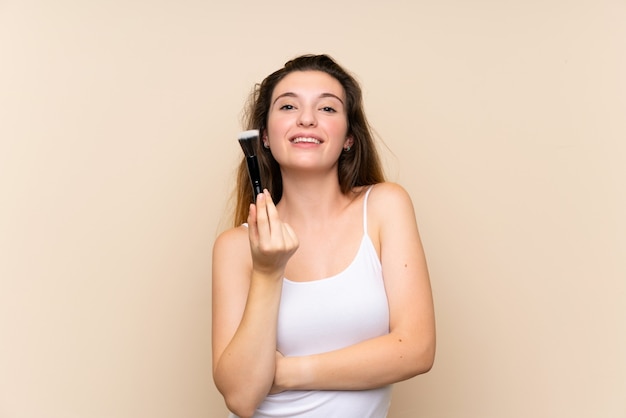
(248, 141)
(249, 134)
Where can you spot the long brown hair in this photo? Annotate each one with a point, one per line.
(360, 166)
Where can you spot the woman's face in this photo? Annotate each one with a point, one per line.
(307, 122)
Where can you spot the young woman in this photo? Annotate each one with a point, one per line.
(321, 294)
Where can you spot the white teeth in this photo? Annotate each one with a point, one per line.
(305, 139)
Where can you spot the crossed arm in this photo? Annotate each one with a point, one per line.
(246, 296)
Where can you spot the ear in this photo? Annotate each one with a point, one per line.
(266, 142)
(348, 142)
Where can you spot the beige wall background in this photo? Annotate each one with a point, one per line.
(505, 120)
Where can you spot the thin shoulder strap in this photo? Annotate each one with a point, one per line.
(367, 193)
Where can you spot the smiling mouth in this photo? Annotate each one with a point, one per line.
(305, 140)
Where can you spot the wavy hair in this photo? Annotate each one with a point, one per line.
(359, 167)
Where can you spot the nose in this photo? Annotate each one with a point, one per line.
(307, 118)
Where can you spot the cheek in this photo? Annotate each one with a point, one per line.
(339, 128)
(276, 124)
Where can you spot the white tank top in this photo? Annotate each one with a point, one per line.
(329, 314)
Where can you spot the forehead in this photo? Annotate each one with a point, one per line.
(314, 83)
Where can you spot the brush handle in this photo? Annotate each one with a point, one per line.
(255, 175)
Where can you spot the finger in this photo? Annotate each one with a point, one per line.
(272, 212)
(262, 221)
(253, 232)
(290, 237)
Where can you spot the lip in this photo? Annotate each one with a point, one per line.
(306, 135)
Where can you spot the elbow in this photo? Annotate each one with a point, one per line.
(239, 406)
(426, 364)
(241, 402)
(423, 361)
(427, 359)
(418, 367)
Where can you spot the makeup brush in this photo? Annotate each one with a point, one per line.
(249, 141)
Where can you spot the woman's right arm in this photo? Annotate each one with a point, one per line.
(248, 268)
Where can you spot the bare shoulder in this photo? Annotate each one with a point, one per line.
(232, 236)
(391, 216)
(232, 243)
(389, 198)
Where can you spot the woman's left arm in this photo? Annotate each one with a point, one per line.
(409, 348)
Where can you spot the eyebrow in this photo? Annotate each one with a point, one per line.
(321, 96)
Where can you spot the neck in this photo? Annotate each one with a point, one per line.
(311, 198)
